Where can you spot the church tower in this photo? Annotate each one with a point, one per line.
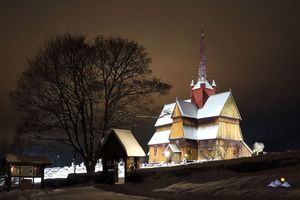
(204, 127)
(202, 89)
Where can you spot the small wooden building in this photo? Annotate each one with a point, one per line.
(23, 166)
(120, 145)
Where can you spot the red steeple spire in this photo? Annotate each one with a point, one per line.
(202, 71)
(202, 90)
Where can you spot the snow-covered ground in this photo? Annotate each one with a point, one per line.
(171, 164)
(63, 172)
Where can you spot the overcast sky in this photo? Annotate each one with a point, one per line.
(252, 48)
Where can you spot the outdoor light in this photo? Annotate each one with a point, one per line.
(185, 155)
(167, 154)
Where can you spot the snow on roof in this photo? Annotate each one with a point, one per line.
(247, 147)
(174, 148)
(190, 132)
(187, 100)
(160, 137)
(165, 116)
(187, 109)
(207, 85)
(207, 132)
(131, 146)
(11, 158)
(213, 106)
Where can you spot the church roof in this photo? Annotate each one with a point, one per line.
(190, 132)
(187, 109)
(207, 132)
(201, 132)
(165, 116)
(160, 137)
(174, 148)
(250, 150)
(212, 108)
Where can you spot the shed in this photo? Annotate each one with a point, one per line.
(24, 166)
(120, 145)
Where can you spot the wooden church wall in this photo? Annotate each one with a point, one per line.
(245, 152)
(159, 156)
(229, 129)
(189, 153)
(221, 149)
(230, 109)
(208, 121)
(189, 121)
(163, 128)
(176, 129)
(176, 112)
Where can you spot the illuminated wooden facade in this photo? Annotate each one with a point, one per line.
(21, 166)
(204, 127)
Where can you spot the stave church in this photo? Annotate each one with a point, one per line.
(204, 127)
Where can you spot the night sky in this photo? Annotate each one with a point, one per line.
(252, 47)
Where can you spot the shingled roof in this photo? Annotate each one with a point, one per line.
(212, 108)
(11, 158)
(130, 145)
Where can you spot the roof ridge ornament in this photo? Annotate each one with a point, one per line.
(192, 83)
(202, 70)
(214, 83)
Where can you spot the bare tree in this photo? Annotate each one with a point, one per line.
(237, 150)
(209, 151)
(218, 149)
(75, 92)
(224, 149)
(208, 154)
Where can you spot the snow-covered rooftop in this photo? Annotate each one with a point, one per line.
(212, 108)
(131, 146)
(160, 137)
(242, 141)
(187, 109)
(190, 132)
(165, 116)
(207, 132)
(174, 148)
(207, 85)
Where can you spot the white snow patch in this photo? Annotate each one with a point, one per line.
(258, 147)
(63, 172)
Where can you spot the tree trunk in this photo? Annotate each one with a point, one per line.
(90, 166)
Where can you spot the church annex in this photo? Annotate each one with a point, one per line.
(204, 127)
